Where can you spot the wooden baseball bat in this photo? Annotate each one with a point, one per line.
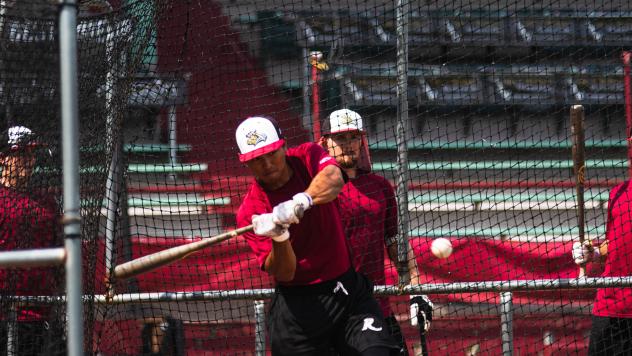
(579, 168)
(164, 257)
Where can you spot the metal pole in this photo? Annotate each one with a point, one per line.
(70, 158)
(628, 104)
(307, 116)
(173, 141)
(260, 328)
(313, 60)
(506, 322)
(12, 336)
(114, 145)
(402, 13)
(33, 258)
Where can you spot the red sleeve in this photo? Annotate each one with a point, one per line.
(315, 157)
(260, 245)
(390, 219)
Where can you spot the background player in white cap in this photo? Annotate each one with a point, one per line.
(320, 303)
(27, 222)
(369, 214)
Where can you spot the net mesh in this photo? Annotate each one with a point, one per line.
(163, 86)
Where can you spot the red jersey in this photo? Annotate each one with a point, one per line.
(318, 240)
(617, 302)
(369, 215)
(26, 223)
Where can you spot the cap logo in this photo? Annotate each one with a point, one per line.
(346, 119)
(254, 138)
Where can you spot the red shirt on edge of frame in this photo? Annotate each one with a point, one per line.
(26, 223)
(318, 240)
(617, 302)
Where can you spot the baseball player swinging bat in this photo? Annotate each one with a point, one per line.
(579, 168)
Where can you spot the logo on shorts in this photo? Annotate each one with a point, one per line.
(368, 325)
(340, 287)
(254, 138)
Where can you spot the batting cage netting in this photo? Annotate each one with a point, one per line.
(467, 108)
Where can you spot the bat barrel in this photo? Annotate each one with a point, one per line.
(161, 258)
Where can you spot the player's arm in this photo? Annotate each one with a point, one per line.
(278, 260)
(603, 250)
(281, 262)
(326, 185)
(410, 259)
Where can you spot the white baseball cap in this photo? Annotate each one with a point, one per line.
(343, 120)
(20, 137)
(257, 136)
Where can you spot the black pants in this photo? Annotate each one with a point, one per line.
(396, 332)
(610, 336)
(340, 314)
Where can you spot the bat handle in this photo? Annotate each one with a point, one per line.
(582, 271)
(299, 210)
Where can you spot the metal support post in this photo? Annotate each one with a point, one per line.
(70, 158)
(506, 322)
(260, 328)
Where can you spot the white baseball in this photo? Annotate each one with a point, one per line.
(441, 248)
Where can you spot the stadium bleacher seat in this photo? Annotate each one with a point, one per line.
(596, 84)
(608, 28)
(457, 86)
(530, 87)
(546, 29)
(526, 85)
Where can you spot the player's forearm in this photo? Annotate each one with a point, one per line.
(281, 262)
(412, 266)
(411, 262)
(326, 185)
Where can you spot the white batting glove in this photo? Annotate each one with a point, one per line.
(291, 211)
(583, 253)
(421, 311)
(264, 226)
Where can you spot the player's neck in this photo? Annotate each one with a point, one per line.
(351, 172)
(8, 182)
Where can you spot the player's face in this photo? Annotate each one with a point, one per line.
(345, 148)
(270, 169)
(18, 166)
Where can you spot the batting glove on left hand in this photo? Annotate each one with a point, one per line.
(264, 226)
(291, 211)
(421, 311)
(584, 253)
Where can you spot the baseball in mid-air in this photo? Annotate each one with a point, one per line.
(441, 248)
